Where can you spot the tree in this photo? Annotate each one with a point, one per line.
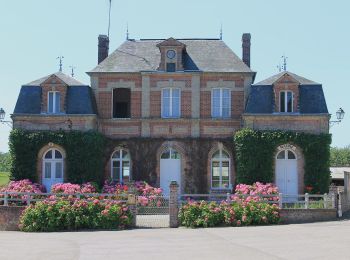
(5, 162)
(340, 157)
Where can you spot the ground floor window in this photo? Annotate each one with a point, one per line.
(220, 170)
(120, 166)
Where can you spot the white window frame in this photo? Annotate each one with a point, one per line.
(53, 103)
(286, 101)
(220, 160)
(53, 162)
(170, 103)
(221, 103)
(120, 160)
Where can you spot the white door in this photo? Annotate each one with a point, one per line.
(287, 174)
(170, 169)
(52, 169)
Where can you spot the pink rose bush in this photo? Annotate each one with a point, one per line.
(69, 188)
(22, 186)
(245, 207)
(75, 214)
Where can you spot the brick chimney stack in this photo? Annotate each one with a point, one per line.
(103, 47)
(246, 48)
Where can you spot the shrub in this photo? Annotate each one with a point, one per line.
(75, 214)
(22, 186)
(255, 191)
(70, 188)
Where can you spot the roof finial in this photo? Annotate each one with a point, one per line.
(221, 31)
(284, 64)
(72, 70)
(127, 31)
(60, 64)
(109, 16)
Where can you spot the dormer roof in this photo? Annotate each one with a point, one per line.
(273, 79)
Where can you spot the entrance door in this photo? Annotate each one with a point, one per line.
(52, 169)
(287, 173)
(170, 169)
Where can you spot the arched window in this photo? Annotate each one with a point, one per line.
(170, 154)
(286, 155)
(220, 170)
(52, 168)
(120, 166)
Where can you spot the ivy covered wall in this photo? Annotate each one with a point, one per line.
(255, 152)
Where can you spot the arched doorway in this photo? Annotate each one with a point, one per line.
(287, 172)
(170, 169)
(52, 168)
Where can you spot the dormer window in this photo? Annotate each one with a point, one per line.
(54, 102)
(170, 67)
(286, 101)
(171, 55)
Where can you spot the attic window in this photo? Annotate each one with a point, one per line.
(286, 101)
(170, 67)
(121, 103)
(53, 102)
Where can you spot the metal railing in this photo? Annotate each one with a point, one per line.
(284, 201)
(28, 198)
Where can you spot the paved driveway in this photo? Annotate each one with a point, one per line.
(328, 240)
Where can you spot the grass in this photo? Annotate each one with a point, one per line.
(4, 178)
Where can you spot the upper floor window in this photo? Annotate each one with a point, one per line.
(286, 101)
(171, 103)
(121, 103)
(54, 102)
(221, 102)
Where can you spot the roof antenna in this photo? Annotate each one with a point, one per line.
(61, 58)
(109, 16)
(127, 31)
(72, 70)
(221, 32)
(284, 67)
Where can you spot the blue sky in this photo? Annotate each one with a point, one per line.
(314, 35)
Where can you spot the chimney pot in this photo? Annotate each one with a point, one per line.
(103, 47)
(246, 48)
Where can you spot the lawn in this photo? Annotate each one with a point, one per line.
(4, 178)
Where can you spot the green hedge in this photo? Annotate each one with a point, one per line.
(255, 151)
(85, 154)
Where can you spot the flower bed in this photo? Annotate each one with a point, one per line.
(69, 188)
(245, 207)
(75, 214)
(21, 186)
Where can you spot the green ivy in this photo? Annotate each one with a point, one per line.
(255, 151)
(85, 154)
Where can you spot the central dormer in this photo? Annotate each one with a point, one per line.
(171, 55)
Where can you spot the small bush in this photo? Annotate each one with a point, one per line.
(69, 188)
(75, 214)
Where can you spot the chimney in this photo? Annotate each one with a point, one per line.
(246, 48)
(103, 46)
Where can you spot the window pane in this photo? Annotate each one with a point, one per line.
(166, 155)
(176, 107)
(47, 170)
(125, 155)
(291, 155)
(282, 101)
(216, 155)
(216, 103)
(225, 155)
(126, 171)
(281, 155)
(215, 178)
(225, 174)
(289, 102)
(121, 102)
(50, 102)
(59, 170)
(116, 154)
(115, 170)
(175, 154)
(57, 102)
(48, 155)
(166, 103)
(58, 155)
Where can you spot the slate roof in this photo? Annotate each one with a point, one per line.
(274, 78)
(261, 98)
(209, 55)
(65, 78)
(79, 98)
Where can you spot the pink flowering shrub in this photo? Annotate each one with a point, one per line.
(256, 192)
(75, 214)
(70, 188)
(22, 186)
(112, 187)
